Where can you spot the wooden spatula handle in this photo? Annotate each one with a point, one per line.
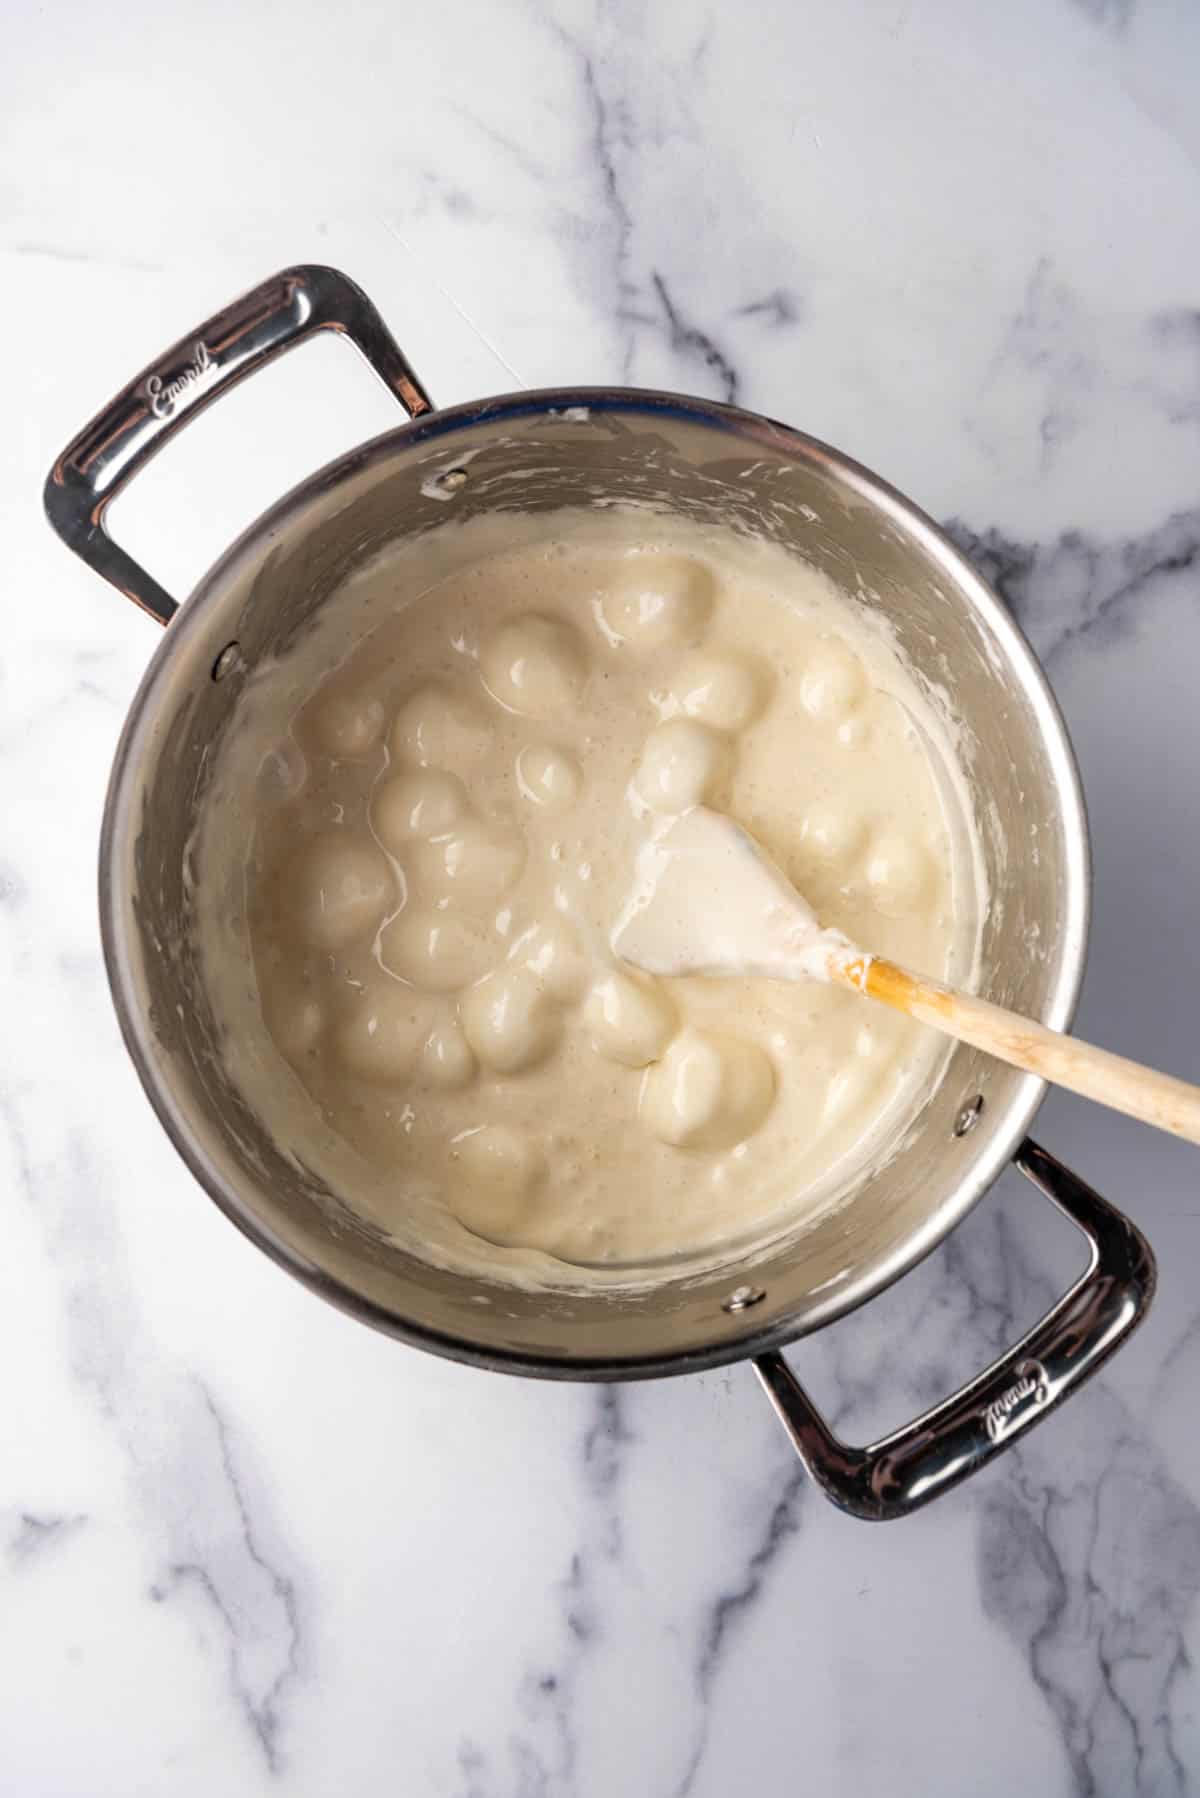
(1140, 1092)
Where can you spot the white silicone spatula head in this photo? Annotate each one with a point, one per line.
(706, 899)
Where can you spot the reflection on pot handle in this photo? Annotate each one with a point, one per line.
(924, 1459)
(120, 440)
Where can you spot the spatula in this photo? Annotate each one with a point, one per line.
(707, 899)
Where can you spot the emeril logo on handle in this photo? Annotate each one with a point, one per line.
(163, 394)
(1032, 1382)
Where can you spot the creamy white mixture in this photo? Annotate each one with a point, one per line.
(424, 845)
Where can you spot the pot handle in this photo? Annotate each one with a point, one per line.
(234, 343)
(958, 1437)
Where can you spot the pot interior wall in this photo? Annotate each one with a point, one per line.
(756, 478)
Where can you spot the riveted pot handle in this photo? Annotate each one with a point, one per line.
(924, 1459)
(120, 440)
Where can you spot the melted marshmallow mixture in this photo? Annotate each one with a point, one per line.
(443, 828)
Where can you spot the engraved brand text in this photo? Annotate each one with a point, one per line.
(163, 394)
(1031, 1382)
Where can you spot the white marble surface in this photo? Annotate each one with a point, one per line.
(244, 1544)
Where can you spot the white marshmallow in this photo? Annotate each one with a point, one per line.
(418, 802)
(898, 874)
(681, 763)
(496, 1172)
(335, 889)
(629, 1021)
(534, 665)
(446, 1058)
(709, 1091)
(437, 950)
(656, 600)
(345, 725)
(833, 681)
(552, 954)
(293, 1017)
(718, 688)
(381, 1034)
(548, 776)
(436, 727)
(509, 1021)
(474, 865)
(834, 833)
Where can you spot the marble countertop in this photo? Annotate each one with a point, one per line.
(246, 1545)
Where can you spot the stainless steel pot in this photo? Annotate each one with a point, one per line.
(540, 451)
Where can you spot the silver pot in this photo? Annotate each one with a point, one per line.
(541, 451)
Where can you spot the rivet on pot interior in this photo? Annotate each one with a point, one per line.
(742, 1297)
(228, 662)
(968, 1117)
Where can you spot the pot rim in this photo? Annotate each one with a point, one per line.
(121, 815)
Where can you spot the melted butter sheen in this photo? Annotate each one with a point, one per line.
(474, 761)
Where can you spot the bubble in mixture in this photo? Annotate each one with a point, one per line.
(681, 763)
(473, 866)
(440, 951)
(446, 1058)
(655, 600)
(719, 688)
(496, 1170)
(629, 1021)
(437, 727)
(334, 890)
(898, 875)
(420, 802)
(509, 1021)
(833, 681)
(381, 1034)
(548, 776)
(534, 665)
(346, 726)
(709, 1091)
